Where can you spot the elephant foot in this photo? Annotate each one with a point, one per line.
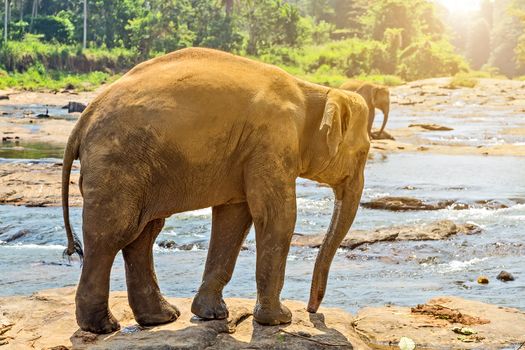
(100, 323)
(168, 313)
(272, 316)
(209, 306)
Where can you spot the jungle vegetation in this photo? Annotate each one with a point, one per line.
(324, 41)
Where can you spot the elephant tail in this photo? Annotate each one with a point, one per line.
(70, 154)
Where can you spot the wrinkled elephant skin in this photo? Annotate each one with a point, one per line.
(201, 128)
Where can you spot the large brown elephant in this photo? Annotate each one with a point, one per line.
(376, 96)
(202, 128)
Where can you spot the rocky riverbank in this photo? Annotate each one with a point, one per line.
(46, 320)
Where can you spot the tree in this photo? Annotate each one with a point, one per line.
(84, 36)
(320, 10)
(478, 44)
(6, 22)
(416, 18)
(270, 23)
(518, 11)
(505, 34)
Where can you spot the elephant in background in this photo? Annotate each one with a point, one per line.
(376, 96)
(202, 128)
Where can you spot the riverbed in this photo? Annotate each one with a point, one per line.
(402, 273)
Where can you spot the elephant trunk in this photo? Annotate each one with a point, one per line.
(342, 218)
(385, 111)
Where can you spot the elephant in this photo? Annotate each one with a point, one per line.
(200, 128)
(376, 96)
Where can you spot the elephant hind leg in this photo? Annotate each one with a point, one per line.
(148, 305)
(230, 225)
(107, 228)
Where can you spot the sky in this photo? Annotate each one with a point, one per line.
(460, 5)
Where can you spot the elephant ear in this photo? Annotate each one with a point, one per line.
(335, 117)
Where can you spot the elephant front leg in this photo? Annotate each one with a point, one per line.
(273, 208)
(230, 225)
(148, 305)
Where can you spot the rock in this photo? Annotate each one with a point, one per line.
(51, 323)
(404, 204)
(431, 127)
(431, 325)
(43, 115)
(483, 280)
(432, 231)
(383, 136)
(18, 235)
(75, 107)
(4, 97)
(505, 276)
(168, 244)
(410, 203)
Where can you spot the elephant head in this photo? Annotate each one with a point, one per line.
(376, 96)
(344, 127)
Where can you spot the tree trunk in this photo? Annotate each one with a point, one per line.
(84, 41)
(5, 22)
(34, 12)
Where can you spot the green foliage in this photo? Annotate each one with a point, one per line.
(324, 41)
(54, 28)
(19, 56)
(156, 31)
(270, 23)
(518, 11)
(317, 32)
(37, 78)
(414, 18)
(383, 79)
(478, 46)
(426, 59)
(462, 80)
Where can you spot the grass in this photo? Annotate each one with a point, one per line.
(462, 80)
(383, 79)
(35, 79)
(20, 56)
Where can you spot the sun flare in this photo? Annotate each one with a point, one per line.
(461, 5)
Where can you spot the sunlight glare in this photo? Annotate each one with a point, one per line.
(461, 5)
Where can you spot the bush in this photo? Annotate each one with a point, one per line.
(427, 59)
(37, 78)
(386, 79)
(462, 80)
(54, 28)
(21, 55)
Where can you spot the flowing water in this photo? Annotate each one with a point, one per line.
(403, 273)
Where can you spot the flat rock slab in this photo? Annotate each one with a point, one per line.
(36, 184)
(410, 203)
(495, 327)
(46, 321)
(431, 127)
(431, 231)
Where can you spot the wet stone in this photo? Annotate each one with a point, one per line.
(168, 244)
(505, 276)
(437, 230)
